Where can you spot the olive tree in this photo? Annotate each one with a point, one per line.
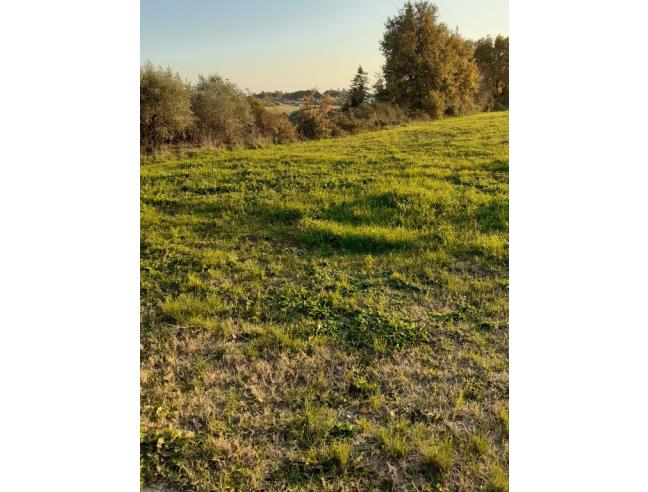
(165, 111)
(222, 110)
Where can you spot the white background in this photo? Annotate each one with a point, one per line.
(69, 300)
(579, 248)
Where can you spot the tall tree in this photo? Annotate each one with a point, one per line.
(427, 67)
(492, 57)
(359, 90)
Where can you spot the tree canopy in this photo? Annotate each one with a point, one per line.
(222, 110)
(492, 57)
(427, 67)
(165, 111)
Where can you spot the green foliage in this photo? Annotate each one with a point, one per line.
(165, 112)
(378, 90)
(223, 114)
(359, 90)
(427, 67)
(492, 57)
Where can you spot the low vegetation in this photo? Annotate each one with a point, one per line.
(328, 315)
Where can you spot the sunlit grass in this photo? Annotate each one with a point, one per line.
(328, 315)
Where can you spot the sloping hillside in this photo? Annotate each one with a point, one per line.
(329, 314)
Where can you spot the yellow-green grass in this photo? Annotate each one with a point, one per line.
(328, 315)
(283, 108)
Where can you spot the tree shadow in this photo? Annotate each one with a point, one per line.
(366, 224)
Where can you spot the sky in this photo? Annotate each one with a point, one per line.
(288, 44)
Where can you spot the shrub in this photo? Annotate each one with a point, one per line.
(461, 105)
(345, 122)
(312, 118)
(388, 114)
(275, 127)
(165, 111)
(434, 105)
(366, 117)
(223, 113)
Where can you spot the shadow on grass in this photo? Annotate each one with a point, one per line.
(367, 224)
(373, 209)
(277, 214)
(330, 235)
(492, 217)
(339, 231)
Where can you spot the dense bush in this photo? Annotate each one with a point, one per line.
(312, 119)
(274, 127)
(388, 114)
(366, 117)
(165, 112)
(223, 113)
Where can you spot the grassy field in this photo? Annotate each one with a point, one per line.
(289, 108)
(283, 108)
(329, 315)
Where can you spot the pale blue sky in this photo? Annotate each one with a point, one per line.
(288, 44)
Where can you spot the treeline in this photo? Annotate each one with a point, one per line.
(429, 72)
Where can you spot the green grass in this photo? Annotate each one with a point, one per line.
(328, 315)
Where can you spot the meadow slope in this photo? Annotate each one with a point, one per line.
(329, 315)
